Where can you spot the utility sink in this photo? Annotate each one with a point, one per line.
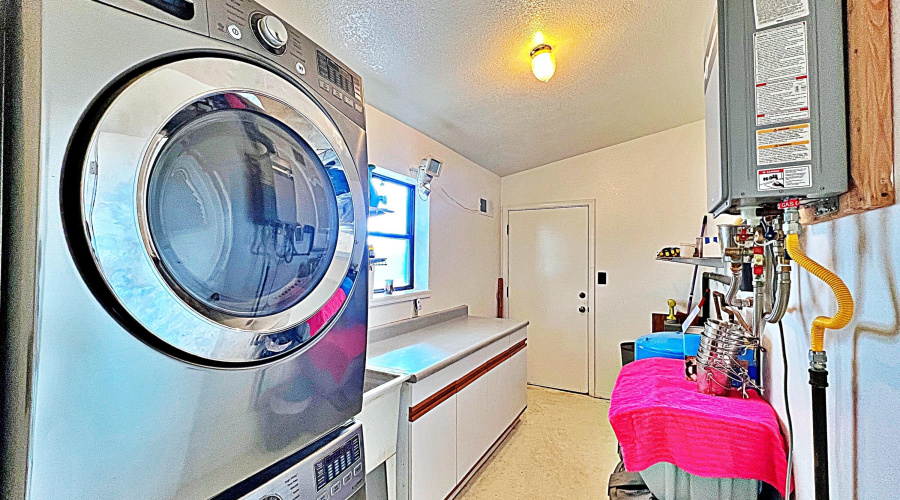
(374, 380)
(380, 416)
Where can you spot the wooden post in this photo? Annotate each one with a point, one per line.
(500, 297)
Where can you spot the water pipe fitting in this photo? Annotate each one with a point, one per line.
(791, 221)
(749, 215)
(742, 303)
(734, 254)
(818, 360)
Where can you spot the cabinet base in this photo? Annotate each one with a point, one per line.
(487, 455)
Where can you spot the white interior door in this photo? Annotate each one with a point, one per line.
(549, 285)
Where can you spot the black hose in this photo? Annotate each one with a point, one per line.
(818, 379)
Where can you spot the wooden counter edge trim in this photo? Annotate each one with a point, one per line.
(490, 365)
(417, 411)
(490, 451)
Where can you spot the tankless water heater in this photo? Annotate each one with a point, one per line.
(776, 120)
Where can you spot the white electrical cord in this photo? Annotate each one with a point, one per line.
(461, 206)
(790, 422)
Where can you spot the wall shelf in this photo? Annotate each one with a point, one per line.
(715, 262)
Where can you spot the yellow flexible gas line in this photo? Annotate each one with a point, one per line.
(841, 293)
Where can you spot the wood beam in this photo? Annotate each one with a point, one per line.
(871, 110)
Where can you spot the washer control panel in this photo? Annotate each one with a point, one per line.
(334, 472)
(249, 25)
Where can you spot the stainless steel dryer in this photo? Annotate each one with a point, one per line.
(183, 255)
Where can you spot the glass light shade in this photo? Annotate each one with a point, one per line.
(543, 64)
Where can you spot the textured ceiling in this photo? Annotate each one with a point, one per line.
(459, 70)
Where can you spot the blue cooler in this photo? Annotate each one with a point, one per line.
(668, 345)
(673, 345)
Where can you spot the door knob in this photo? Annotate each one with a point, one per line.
(582, 295)
(582, 309)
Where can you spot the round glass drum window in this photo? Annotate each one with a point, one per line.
(242, 213)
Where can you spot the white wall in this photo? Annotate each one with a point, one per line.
(465, 247)
(649, 194)
(863, 359)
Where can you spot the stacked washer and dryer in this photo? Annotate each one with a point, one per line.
(184, 285)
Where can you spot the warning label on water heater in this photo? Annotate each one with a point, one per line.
(772, 12)
(776, 179)
(790, 144)
(781, 61)
(780, 102)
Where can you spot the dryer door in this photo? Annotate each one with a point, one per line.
(222, 208)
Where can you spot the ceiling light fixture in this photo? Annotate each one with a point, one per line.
(543, 63)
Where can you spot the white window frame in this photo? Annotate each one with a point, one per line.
(421, 253)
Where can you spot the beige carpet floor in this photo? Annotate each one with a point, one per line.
(564, 448)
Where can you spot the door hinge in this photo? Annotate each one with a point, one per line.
(507, 229)
(507, 292)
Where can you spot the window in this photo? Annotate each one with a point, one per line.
(392, 231)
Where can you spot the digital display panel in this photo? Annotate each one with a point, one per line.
(182, 9)
(337, 462)
(334, 73)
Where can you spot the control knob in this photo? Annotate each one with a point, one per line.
(272, 32)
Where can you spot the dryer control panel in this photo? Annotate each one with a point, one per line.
(247, 24)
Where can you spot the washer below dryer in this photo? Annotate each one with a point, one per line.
(186, 308)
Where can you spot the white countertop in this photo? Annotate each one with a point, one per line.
(422, 352)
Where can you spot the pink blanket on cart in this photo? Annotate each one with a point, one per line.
(659, 416)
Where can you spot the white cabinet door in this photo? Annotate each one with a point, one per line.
(478, 419)
(432, 448)
(516, 377)
(513, 388)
